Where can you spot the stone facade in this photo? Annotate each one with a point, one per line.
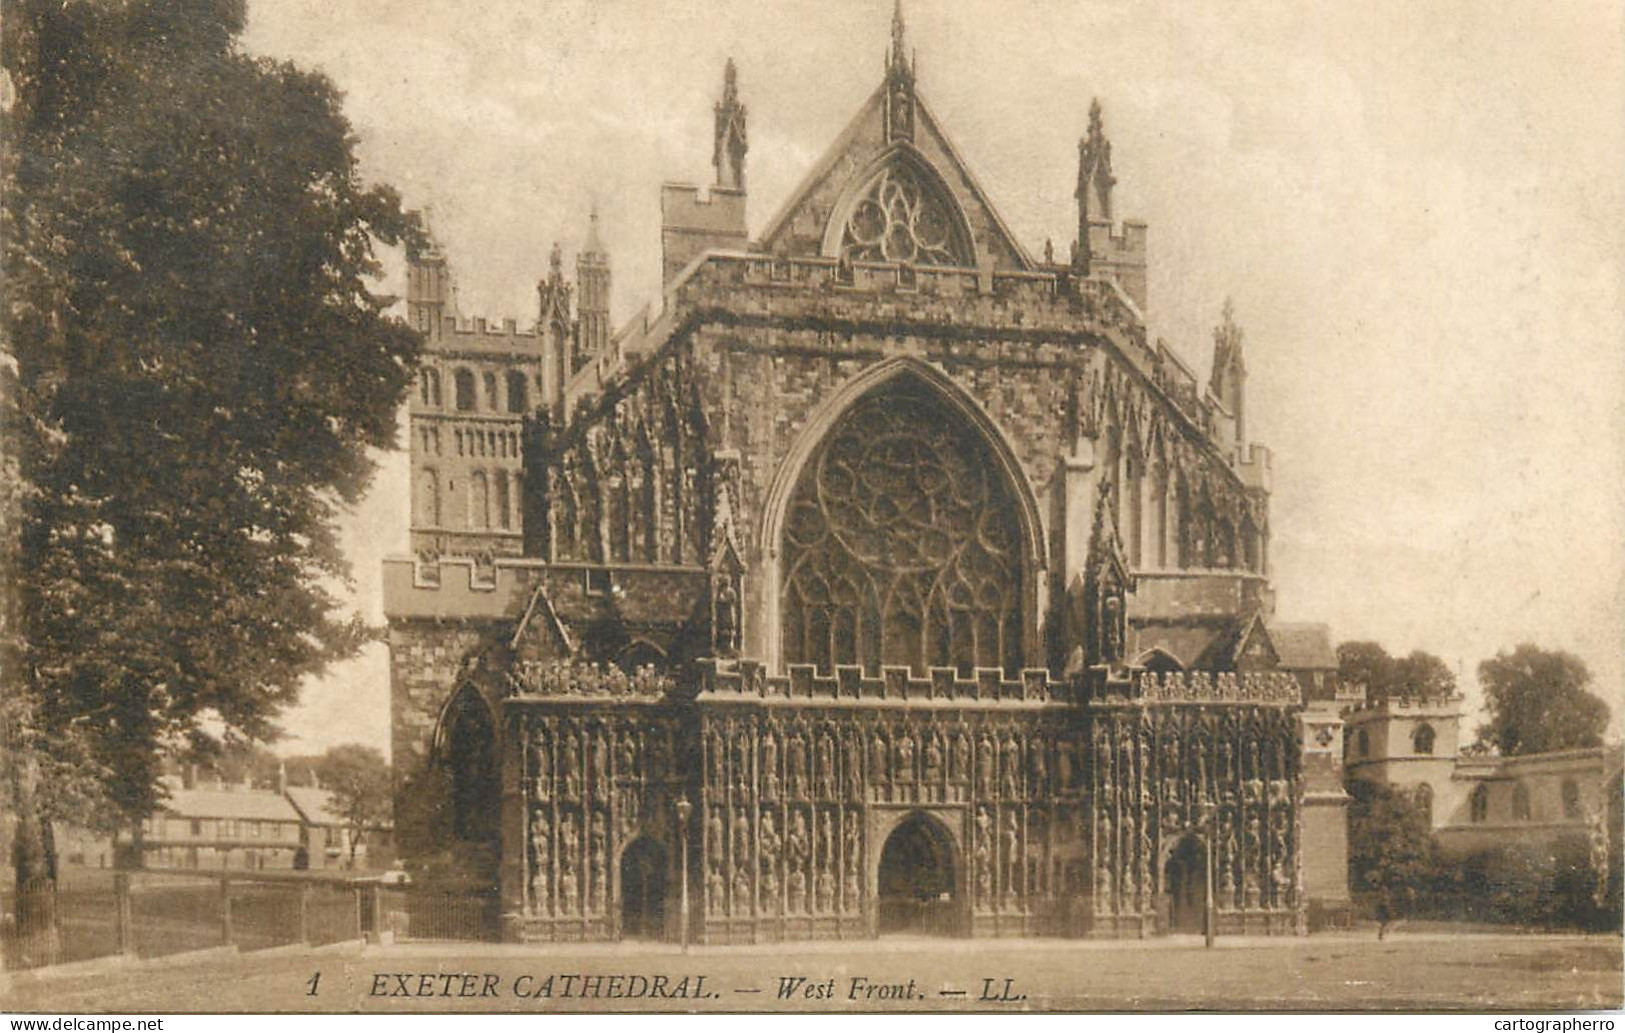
(899, 562)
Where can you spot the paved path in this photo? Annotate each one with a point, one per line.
(1324, 972)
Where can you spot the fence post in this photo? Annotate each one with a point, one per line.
(376, 898)
(304, 912)
(122, 933)
(225, 911)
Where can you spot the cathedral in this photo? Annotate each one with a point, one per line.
(885, 577)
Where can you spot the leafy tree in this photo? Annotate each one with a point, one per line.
(201, 371)
(1420, 675)
(1538, 702)
(1392, 855)
(359, 780)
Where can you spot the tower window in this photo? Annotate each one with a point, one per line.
(1480, 803)
(1571, 799)
(1364, 743)
(516, 392)
(463, 386)
(491, 400)
(1521, 811)
(1422, 738)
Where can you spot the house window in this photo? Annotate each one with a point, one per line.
(1480, 803)
(1422, 738)
(1520, 803)
(1571, 799)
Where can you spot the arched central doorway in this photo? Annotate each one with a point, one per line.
(643, 890)
(1184, 881)
(917, 891)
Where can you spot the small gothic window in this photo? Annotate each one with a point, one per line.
(434, 387)
(463, 388)
(1422, 738)
(491, 391)
(1571, 799)
(504, 502)
(470, 746)
(1480, 803)
(904, 218)
(516, 391)
(1364, 743)
(423, 386)
(1520, 802)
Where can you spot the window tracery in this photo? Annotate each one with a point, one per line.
(901, 545)
(903, 218)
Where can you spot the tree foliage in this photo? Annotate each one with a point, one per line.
(201, 371)
(1537, 701)
(1392, 855)
(1420, 675)
(359, 782)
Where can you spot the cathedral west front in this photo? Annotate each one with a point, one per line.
(887, 577)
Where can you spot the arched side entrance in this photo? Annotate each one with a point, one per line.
(917, 885)
(643, 890)
(1184, 882)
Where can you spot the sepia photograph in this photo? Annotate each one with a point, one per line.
(861, 506)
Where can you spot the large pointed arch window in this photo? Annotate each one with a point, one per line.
(902, 543)
(904, 215)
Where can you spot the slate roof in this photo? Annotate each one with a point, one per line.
(1303, 646)
(250, 804)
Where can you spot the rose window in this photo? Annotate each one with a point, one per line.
(900, 219)
(901, 544)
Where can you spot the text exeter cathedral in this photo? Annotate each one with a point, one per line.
(887, 577)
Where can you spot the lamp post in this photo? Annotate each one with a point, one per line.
(684, 809)
(1209, 918)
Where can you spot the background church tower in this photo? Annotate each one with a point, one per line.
(592, 304)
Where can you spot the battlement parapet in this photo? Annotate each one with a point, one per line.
(1416, 706)
(1205, 687)
(1123, 241)
(559, 679)
(748, 680)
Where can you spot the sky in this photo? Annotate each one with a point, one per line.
(1417, 208)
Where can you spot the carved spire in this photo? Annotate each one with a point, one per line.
(899, 82)
(730, 144)
(1095, 181)
(1228, 381)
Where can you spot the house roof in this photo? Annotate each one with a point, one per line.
(314, 805)
(251, 804)
(1303, 646)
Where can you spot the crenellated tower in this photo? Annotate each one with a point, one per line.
(1101, 248)
(690, 224)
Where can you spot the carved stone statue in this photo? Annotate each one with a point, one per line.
(931, 770)
(797, 758)
(715, 844)
(961, 765)
(727, 620)
(905, 757)
(571, 775)
(826, 767)
(985, 763)
(716, 892)
(877, 757)
(770, 766)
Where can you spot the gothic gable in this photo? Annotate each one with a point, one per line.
(934, 212)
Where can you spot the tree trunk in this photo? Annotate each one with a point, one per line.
(35, 940)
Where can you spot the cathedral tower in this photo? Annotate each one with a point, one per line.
(592, 283)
